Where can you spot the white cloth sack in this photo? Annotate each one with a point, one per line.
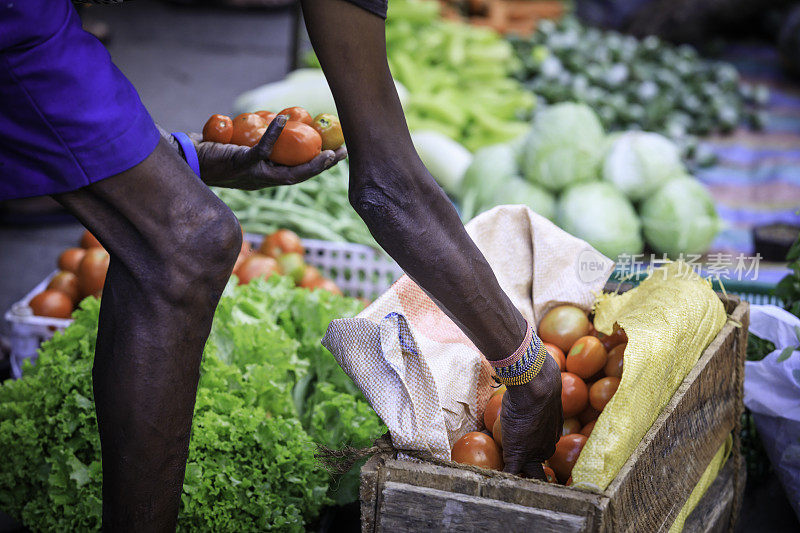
(420, 373)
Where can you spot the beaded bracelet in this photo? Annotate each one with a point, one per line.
(524, 364)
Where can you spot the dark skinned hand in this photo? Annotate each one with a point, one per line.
(532, 418)
(249, 168)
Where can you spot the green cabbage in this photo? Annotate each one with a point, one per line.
(601, 215)
(445, 159)
(519, 191)
(638, 163)
(680, 218)
(565, 146)
(489, 171)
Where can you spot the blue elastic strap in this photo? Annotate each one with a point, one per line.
(189, 151)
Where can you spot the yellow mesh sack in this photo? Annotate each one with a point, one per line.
(669, 318)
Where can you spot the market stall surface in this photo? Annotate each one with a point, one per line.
(188, 63)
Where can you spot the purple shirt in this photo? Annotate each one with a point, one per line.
(68, 116)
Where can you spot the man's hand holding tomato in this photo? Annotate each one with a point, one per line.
(249, 168)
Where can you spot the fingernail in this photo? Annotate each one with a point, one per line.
(282, 119)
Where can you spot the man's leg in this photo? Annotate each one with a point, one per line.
(173, 244)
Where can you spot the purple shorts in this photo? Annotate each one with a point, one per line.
(68, 116)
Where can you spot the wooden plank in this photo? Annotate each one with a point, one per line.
(681, 443)
(410, 508)
(713, 511)
(367, 493)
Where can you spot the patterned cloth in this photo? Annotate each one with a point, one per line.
(420, 373)
(757, 179)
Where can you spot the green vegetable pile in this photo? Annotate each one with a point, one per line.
(459, 77)
(614, 191)
(643, 84)
(316, 209)
(268, 392)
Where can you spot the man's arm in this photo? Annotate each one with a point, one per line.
(413, 220)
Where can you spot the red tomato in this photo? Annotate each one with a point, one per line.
(248, 128)
(298, 143)
(557, 354)
(92, 271)
(588, 415)
(549, 475)
(311, 276)
(244, 253)
(574, 394)
(327, 285)
(563, 325)
(51, 303)
(256, 266)
(70, 259)
(218, 129)
(89, 241)
(571, 425)
(267, 115)
(66, 282)
(283, 241)
(587, 429)
(330, 130)
(297, 114)
(615, 361)
(492, 411)
(568, 449)
(497, 432)
(499, 390)
(618, 337)
(602, 391)
(569, 481)
(586, 357)
(478, 449)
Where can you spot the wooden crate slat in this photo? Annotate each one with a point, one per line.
(411, 508)
(681, 443)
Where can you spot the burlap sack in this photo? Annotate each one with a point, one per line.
(419, 372)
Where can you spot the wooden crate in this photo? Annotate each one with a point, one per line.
(646, 495)
(516, 16)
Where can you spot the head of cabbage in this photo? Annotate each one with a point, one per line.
(680, 218)
(518, 191)
(490, 170)
(638, 163)
(565, 146)
(601, 215)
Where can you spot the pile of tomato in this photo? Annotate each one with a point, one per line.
(591, 368)
(301, 140)
(82, 271)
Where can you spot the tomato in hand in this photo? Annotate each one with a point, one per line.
(615, 361)
(218, 129)
(248, 128)
(574, 394)
(281, 242)
(497, 432)
(51, 303)
(602, 391)
(587, 429)
(478, 449)
(298, 143)
(70, 259)
(492, 411)
(571, 425)
(66, 282)
(92, 271)
(297, 114)
(586, 357)
(330, 130)
(256, 266)
(563, 325)
(267, 116)
(568, 449)
(557, 354)
(89, 241)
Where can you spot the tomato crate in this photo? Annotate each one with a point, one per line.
(360, 271)
(646, 495)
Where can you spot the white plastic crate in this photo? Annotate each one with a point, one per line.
(360, 271)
